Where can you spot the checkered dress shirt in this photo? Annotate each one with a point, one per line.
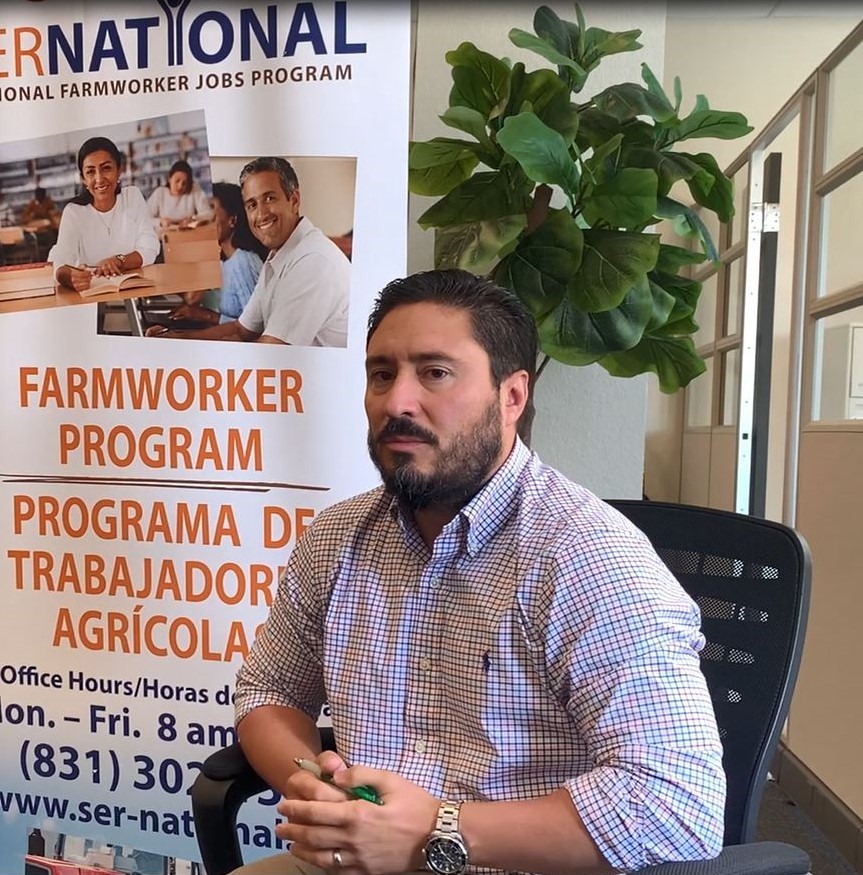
(541, 643)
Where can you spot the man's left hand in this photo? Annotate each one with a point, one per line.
(371, 839)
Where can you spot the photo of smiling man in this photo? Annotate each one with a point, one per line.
(303, 291)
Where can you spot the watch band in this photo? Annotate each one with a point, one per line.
(445, 851)
(447, 817)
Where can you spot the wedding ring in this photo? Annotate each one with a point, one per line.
(337, 859)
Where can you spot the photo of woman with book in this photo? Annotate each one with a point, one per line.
(107, 229)
(181, 202)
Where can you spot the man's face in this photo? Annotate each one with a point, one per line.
(434, 413)
(272, 214)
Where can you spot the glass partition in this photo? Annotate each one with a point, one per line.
(837, 386)
(699, 398)
(740, 221)
(730, 387)
(841, 237)
(844, 133)
(734, 299)
(705, 312)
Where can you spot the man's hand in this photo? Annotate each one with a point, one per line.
(371, 839)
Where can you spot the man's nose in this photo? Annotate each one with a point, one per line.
(402, 398)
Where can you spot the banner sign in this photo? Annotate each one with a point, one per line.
(151, 488)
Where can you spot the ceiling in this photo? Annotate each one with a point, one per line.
(765, 9)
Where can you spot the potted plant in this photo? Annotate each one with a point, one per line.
(558, 199)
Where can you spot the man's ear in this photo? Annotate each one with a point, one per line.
(514, 392)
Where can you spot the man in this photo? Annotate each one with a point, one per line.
(302, 294)
(507, 661)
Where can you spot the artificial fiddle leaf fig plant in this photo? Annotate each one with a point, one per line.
(558, 199)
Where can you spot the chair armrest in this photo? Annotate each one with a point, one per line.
(225, 782)
(755, 858)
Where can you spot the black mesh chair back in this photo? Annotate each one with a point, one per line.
(750, 578)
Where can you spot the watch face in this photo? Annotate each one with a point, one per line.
(446, 856)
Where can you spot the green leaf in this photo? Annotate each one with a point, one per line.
(678, 94)
(595, 128)
(687, 223)
(709, 123)
(571, 335)
(685, 292)
(568, 39)
(701, 103)
(598, 43)
(463, 118)
(437, 166)
(543, 263)
(490, 195)
(629, 100)
(670, 166)
(610, 147)
(525, 40)
(663, 303)
(672, 258)
(673, 360)
(541, 151)
(626, 200)
(718, 196)
(481, 81)
(613, 262)
(654, 87)
(543, 93)
(476, 246)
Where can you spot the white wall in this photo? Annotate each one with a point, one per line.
(771, 58)
(589, 425)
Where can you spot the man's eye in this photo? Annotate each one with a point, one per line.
(379, 376)
(437, 373)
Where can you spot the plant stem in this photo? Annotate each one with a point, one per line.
(538, 211)
(545, 360)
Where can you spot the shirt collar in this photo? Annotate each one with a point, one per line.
(488, 510)
(279, 258)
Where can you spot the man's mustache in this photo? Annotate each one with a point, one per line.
(406, 427)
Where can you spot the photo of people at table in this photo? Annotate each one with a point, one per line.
(285, 235)
(88, 216)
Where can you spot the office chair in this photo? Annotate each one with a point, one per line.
(750, 578)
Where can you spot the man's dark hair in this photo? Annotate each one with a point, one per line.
(501, 323)
(287, 174)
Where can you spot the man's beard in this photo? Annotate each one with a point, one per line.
(458, 473)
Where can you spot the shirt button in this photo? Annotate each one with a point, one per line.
(420, 746)
(425, 663)
(434, 583)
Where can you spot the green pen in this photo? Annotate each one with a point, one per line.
(369, 794)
